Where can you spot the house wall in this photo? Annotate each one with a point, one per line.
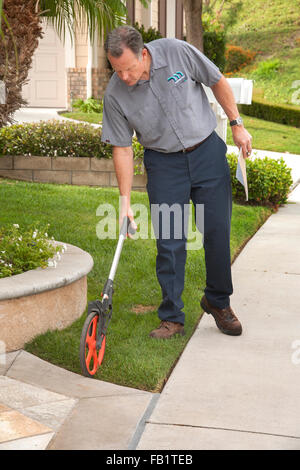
(154, 14)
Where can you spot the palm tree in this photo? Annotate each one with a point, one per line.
(21, 29)
(193, 19)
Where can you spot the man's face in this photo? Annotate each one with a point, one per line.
(129, 68)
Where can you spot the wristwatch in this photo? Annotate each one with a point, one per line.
(237, 122)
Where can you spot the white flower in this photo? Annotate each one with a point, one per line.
(34, 234)
(46, 234)
(16, 225)
(2, 251)
(20, 238)
(52, 264)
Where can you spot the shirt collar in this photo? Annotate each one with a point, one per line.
(158, 60)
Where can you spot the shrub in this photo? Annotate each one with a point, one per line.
(89, 106)
(236, 58)
(269, 181)
(266, 69)
(54, 139)
(148, 35)
(60, 139)
(22, 250)
(214, 44)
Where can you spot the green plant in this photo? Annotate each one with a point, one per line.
(236, 58)
(149, 34)
(22, 250)
(138, 155)
(54, 139)
(269, 181)
(90, 105)
(266, 69)
(214, 44)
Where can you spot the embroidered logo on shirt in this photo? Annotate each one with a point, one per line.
(176, 77)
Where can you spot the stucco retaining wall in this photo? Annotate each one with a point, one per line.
(43, 299)
(64, 170)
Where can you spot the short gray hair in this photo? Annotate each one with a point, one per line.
(124, 37)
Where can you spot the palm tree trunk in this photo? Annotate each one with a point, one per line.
(21, 30)
(193, 19)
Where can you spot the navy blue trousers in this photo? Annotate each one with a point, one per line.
(202, 176)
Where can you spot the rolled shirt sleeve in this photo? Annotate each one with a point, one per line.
(116, 130)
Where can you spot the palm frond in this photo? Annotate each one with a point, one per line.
(100, 16)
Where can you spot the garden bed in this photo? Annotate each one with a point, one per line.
(43, 299)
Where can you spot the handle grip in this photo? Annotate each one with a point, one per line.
(127, 227)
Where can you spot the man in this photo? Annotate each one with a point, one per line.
(157, 92)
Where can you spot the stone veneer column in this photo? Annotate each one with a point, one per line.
(77, 83)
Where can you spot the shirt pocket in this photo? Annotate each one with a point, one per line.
(182, 92)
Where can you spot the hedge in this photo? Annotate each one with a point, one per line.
(284, 114)
(57, 139)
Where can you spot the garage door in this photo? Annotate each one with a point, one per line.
(47, 85)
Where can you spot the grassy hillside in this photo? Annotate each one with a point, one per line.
(272, 29)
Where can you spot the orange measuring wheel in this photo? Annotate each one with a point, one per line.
(93, 334)
(91, 356)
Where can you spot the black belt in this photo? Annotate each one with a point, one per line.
(190, 149)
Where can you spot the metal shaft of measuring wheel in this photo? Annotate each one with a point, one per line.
(116, 258)
(122, 236)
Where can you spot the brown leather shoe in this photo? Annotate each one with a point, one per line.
(225, 319)
(167, 329)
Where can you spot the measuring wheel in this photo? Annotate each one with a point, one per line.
(90, 356)
(93, 335)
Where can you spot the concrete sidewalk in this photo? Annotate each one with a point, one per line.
(224, 393)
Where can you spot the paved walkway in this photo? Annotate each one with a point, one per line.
(224, 393)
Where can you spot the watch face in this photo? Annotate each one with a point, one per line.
(237, 122)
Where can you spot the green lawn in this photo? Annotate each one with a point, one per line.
(271, 136)
(95, 118)
(132, 358)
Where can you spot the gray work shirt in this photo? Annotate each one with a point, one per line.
(168, 112)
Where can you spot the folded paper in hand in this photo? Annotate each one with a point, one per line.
(241, 173)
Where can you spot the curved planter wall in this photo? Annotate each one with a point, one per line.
(43, 299)
(65, 170)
